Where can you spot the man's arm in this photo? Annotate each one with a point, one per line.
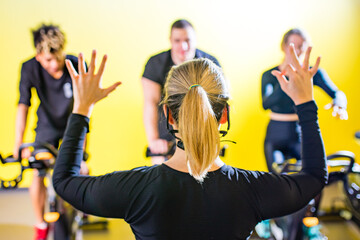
(152, 96)
(20, 125)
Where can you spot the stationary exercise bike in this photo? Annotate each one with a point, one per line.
(65, 221)
(342, 169)
(42, 158)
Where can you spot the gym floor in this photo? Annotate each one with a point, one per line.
(16, 220)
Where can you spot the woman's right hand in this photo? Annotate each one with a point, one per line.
(299, 87)
(87, 85)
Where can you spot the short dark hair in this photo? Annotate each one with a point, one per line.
(181, 23)
(48, 38)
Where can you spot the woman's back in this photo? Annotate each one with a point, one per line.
(227, 205)
(162, 203)
(167, 204)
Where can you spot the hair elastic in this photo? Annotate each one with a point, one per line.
(194, 85)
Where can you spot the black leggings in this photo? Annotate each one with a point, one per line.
(282, 142)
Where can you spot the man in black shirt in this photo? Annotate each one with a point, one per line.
(183, 48)
(46, 73)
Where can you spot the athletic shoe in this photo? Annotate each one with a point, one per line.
(263, 229)
(313, 233)
(41, 233)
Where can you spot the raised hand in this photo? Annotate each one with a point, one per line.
(87, 85)
(337, 111)
(299, 87)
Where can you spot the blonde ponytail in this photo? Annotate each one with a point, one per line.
(196, 94)
(199, 132)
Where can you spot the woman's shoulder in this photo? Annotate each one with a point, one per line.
(268, 72)
(160, 171)
(138, 171)
(234, 173)
(266, 76)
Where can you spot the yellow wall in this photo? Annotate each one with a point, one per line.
(244, 36)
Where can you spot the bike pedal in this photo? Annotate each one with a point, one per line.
(310, 221)
(51, 217)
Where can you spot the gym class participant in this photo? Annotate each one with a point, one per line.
(183, 48)
(46, 72)
(282, 139)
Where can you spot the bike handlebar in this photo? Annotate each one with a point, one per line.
(357, 135)
(33, 161)
(348, 163)
(41, 145)
(8, 159)
(342, 154)
(171, 151)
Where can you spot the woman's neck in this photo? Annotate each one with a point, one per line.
(283, 65)
(178, 162)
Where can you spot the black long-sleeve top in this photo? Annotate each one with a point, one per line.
(274, 98)
(56, 96)
(162, 203)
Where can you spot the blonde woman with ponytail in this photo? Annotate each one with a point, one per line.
(197, 92)
(193, 195)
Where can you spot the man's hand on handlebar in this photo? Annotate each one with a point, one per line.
(84, 170)
(25, 153)
(159, 146)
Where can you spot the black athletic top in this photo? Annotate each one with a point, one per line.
(156, 70)
(162, 203)
(158, 66)
(56, 97)
(279, 102)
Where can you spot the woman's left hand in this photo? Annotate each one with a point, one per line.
(87, 88)
(337, 112)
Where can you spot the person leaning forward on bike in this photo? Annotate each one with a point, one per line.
(46, 73)
(183, 48)
(193, 195)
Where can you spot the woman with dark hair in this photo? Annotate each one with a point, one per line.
(193, 195)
